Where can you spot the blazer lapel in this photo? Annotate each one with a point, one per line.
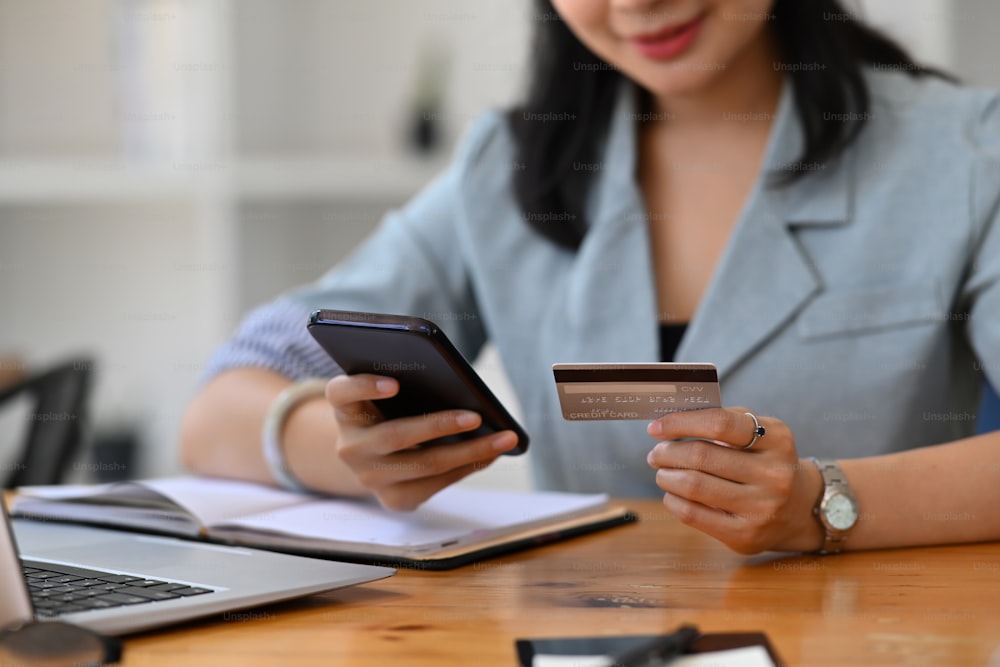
(764, 276)
(612, 285)
(763, 279)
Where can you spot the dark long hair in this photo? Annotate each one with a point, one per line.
(571, 94)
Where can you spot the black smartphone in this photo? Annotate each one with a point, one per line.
(432, 374)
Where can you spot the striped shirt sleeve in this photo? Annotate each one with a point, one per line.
(274, 337)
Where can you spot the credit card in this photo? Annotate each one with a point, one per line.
(605, 392)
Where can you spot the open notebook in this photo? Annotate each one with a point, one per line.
(457, 526)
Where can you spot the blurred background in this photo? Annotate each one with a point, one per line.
(167, 164)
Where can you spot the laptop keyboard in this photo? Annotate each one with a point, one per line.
(62, 589)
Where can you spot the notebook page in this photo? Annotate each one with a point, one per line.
(207, 500)
(457, 515)
(123, 504)
(219, 500)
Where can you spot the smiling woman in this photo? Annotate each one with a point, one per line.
(751, 44)
(673, 49)
(745, 183)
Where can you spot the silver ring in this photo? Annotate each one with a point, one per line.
(758, 431)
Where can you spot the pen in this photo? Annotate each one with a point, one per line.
(658, 650)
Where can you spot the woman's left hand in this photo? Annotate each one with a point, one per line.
(752, 500)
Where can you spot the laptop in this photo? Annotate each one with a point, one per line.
(117, 583)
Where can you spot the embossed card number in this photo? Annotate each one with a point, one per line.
(599, 392)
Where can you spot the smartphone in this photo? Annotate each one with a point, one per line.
(432, 374)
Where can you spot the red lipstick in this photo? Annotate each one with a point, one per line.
(668, 42)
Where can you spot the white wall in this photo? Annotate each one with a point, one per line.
(141, 282)
(114, 282)
(342, 75)
(976, 49)
(957, 35)
(922, 26)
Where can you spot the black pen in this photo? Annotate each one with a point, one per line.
(658, 650)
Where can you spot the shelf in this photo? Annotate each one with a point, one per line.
(88, 180)
(71, 180)
(362, 177)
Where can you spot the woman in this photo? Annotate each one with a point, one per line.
(770, 186)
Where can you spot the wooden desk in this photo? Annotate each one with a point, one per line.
(935, 606)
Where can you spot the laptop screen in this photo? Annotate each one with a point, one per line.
(15, 604)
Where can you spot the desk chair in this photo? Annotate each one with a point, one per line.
(57, 421)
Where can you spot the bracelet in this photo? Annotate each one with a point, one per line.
(274, 423)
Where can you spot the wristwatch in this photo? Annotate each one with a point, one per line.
(837, 507)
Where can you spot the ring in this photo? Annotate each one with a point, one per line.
(758, 431)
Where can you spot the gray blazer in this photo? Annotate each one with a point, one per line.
(861, 304)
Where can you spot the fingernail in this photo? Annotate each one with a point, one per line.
(467, 419)
(654, 428)
(504, 441)
(385, 385)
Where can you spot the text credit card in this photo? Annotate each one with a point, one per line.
(600, 392)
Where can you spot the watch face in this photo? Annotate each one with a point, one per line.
(840, 511)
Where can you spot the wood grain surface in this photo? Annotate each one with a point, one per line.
(933, 606)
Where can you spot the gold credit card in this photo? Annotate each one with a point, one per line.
(603, 392)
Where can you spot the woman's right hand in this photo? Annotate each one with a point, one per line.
(385, 455)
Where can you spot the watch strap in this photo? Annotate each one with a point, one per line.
(833, 478)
